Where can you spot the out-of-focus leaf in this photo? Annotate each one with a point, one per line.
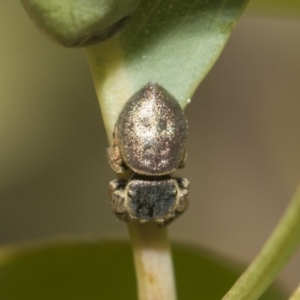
(105, 271)
(80, 23)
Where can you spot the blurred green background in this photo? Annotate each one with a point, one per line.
(243, 150)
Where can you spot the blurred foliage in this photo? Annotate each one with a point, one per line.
(105, 271)
(80, 23)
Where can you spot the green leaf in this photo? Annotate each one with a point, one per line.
(80, 23)
(105, 271)
(171, 42)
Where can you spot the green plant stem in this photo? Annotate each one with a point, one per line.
(111, 82)
(153, 262)
(150, 244)
(296, 294)
(278, 249)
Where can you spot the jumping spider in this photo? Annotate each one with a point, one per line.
(149, 138)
